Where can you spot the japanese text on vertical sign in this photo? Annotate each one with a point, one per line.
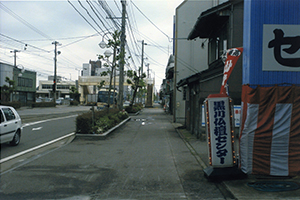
(220, 130)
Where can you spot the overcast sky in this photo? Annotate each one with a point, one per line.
(39, 23)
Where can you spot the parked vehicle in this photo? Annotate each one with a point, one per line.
(59, 101)
(10, 125)
(92, 99)
(126, 103)
(103, 98)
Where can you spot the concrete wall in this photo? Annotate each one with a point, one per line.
(190, 57)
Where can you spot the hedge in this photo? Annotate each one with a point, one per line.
(14, 104)
(102, 123)
(43, 104)
(134, 108)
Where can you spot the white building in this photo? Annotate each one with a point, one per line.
(190, 56)
(62, 88)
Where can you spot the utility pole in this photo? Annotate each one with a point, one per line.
(123, 40)
(55, 61)
(15, 56)
(142, 68)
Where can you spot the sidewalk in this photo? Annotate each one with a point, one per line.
(239, 188)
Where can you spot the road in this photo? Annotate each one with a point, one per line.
(40, 132)
(143, 159)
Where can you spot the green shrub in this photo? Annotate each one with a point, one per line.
(74, 103)
(134, 108)
(43, 104)
(102, 123)
(15, 104)
(122, 115)
(84, 123)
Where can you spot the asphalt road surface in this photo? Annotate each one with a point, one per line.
(143, 159)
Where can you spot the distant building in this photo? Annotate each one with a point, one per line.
(91, 78)
(62, 88)
(25, 83)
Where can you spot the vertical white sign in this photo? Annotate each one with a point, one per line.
(237, 115)
(220, 132)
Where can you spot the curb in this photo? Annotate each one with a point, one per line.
(192, 150)
(134, 114)
(101, 136)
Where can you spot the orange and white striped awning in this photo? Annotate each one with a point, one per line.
(270, 130)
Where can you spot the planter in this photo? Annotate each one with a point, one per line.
(103, 135)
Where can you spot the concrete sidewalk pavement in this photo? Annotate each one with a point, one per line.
(240, 188)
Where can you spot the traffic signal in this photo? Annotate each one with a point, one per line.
(53, 88)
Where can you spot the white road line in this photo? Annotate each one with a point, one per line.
(38, 128)
(35, 148)
(47, 120)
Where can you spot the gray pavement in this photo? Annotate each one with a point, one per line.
(239, 188)
(147, 158)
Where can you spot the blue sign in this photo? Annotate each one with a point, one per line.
(271, 42)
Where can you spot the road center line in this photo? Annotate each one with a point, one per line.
(47, 120)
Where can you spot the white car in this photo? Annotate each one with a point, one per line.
(10, 125)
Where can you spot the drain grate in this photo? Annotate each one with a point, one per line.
(274, 186)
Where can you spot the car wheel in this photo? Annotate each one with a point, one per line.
(16, 139)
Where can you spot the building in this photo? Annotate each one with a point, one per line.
(190, 56)
(92, 77)
(218, 27)
(167, 87)
(25, 83)
(45, 88)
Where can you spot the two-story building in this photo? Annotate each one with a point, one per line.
(45, 88)
(25, 83)
(217, 27)
(189, 55)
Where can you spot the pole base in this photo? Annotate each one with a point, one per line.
(226, 173)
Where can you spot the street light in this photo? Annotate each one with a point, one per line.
(103, 44)
(107, 53)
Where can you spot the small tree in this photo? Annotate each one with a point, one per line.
(136, 82)
(101, 84)
(114, 43)
(8, 89)
(74, 94)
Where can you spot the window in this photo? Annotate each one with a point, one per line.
(63, 87)
(9, 114)
(47, 87)
(25, 82)
(1, 117)
(217, 45)
(184, 93)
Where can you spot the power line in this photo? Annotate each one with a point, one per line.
(94, 9)
(24, 43)
(10, 12)
(83, 17)
(86, 10)
(150, 21)
(79, 40)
